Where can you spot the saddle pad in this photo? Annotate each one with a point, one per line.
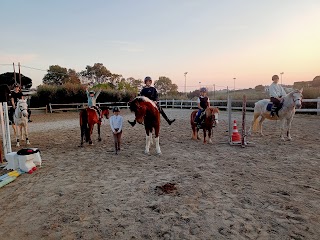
(27, 151)
(269, 106)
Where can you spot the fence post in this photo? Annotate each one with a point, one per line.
(50, 108)
(172, 103)
(318, 106)
(181, 104)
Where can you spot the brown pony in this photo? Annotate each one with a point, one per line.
(147, 113)
(211, 119)
(88, 118)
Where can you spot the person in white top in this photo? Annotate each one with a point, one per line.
(276, 93)
(116, 123)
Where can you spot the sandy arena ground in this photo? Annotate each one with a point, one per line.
(268, 190)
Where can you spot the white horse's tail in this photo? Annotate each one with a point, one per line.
(255, 123)
(257, 111)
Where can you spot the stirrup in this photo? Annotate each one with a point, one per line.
(132, 123)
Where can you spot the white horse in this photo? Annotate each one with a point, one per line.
(20, 119)
(290, 102)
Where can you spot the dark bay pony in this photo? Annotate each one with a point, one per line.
(147, 113)
(211, 119)
(88, 118)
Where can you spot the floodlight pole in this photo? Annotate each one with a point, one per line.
(185, 82)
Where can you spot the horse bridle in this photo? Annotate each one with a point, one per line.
(298, 99)
(21, 109)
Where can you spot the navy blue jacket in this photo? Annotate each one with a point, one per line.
(149, 92)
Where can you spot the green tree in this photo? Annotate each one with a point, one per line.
(72, 77)
(96, 74)
(56, 75)
(164, 85)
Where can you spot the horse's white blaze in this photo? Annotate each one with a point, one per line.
(157, 140)
(216, 115)
(148, 142)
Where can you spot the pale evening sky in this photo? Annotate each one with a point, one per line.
(214, 41)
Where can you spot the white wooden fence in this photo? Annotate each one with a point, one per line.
(182, 104)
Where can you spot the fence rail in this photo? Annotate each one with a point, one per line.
(182, 104)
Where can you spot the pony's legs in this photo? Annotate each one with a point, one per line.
(204, 135)
(26, 134)
(282, 129)
(148, 142)
(289, 121)
(90, 133)
(157, 140)
(14, 130)
(198, 134)
(209, 135)
(260, 125)
(99, 137)
(18, 136)
(151, 139)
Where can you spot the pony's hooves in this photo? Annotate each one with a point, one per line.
(159, 153)
(148, 153)
(99, 139)
(210, 141)
(28, 143)
(18, 145)
(80, 146)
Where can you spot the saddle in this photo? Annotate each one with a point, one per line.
(273, 108)
(201, 119)
(98, 112)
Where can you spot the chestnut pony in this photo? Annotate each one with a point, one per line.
(147, 113)
(210, 119)
(88, 118)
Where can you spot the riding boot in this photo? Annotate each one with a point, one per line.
(273, 111)
(199, 120)
(166, 117)
(132, 123)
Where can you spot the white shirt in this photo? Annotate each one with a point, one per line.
(116, 122)
(276, 90)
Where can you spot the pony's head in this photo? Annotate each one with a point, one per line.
(140, 106)
(105, 112)
(22, 107)
(213, 113)
(297, 97)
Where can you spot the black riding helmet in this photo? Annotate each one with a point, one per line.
(203, 89)
(147, 79)
(116, 109)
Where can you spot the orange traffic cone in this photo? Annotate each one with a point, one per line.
(236, 137)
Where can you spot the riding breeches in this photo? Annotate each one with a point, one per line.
(275, 101)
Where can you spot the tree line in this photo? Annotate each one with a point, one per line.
(99, 75)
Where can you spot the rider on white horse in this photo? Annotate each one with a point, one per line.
(276, 93)
(16, 94)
